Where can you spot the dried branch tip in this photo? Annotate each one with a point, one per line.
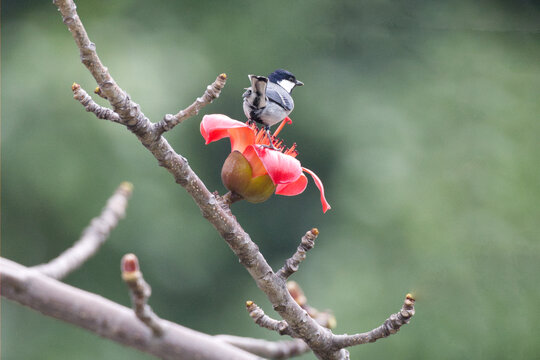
(408, 304)
(127, 188)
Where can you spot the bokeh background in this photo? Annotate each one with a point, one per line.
(421, 117)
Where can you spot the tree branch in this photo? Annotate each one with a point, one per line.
(140, 291)
(267, 349)
(292, 264)
(110, 320)
(389, 327)
(92, 237)
(212, 92)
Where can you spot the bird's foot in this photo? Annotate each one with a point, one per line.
(271, 147)
(270, 140)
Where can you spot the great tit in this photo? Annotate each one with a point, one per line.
(268, 100)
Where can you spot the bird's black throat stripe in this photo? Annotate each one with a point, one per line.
(254, 116)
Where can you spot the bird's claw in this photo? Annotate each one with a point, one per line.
(271, 147)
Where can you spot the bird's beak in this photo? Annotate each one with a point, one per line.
(299, 83)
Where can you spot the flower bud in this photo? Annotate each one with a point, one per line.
(236, 175)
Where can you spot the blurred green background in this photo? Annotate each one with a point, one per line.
(421, 118)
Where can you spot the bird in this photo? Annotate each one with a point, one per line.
(268, 101)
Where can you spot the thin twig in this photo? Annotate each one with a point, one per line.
(212, 92)
(91, 106)
(265, 321)
(389, 327)
(140, 291)
(267, 349)
(108, 319)
(292, 264)
(92, 237)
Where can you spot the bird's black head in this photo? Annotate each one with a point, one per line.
(281, 74)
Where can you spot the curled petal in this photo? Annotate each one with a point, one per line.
(282, 168)
(293, 188)
(241, 138)
(252, 157)
(217, 126)
(326, 206)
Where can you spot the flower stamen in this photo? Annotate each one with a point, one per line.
(262, 139)
(291, 151)
(260, 135)
(280, 127)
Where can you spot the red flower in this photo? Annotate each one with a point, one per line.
(268, 171)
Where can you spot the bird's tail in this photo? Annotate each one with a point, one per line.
(257, 97)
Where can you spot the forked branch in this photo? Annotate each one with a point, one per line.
(50, 297)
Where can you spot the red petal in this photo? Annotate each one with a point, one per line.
(241, 138)
(217, 126)
(325, 205)
(283, 169)
(257, 166)
(294, 188)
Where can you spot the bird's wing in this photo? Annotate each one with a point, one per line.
(280, 96)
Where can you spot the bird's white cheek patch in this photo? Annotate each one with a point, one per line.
(287, 85)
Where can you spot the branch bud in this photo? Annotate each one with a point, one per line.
(130, 267)
(297, 293)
